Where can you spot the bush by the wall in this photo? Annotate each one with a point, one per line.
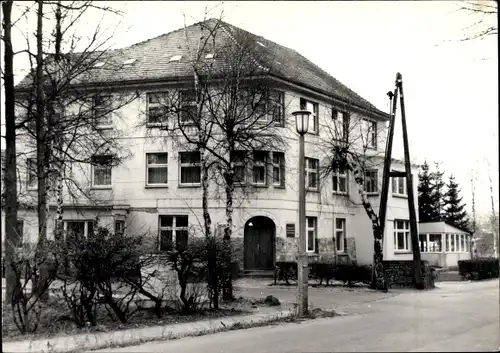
(322, 271)
(352, 273)
(480, 268)
(285, 271)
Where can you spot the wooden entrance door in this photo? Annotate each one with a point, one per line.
(259, 244)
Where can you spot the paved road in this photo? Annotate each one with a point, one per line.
(454, 317)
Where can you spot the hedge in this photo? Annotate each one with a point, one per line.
(480, 268)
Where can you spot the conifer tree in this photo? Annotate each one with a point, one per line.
(426, 204)
(438, 192)
(455, 212)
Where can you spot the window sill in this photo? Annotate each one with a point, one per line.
(340, 193)
(372, 194)
(342, 253)
(312, 253)
(402, 252)
(96, 187)
(260, 185)
(312, 190)
(314, 133)
(197, 185)
(154, 125)
(162, 186)
(400, 196)
(279, 187)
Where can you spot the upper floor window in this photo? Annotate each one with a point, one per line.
(101, 171)
(313, 118)
(101, 112)
(188, 108)
(190, 168)
(399, 186)
(173, 230)
(312, 173)
(371, 181)
(401, 235)
(268, 107)
(156, 107)
(369, 133)
(259, 167)
(32, 179)
(278, 169)
(340, 182)
(238, 160)
(340, 124)
(157, 168)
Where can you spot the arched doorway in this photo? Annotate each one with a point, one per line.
(259, 244)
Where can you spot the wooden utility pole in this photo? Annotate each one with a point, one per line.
(419, 284)
(494, 223)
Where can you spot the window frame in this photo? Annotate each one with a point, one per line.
(85, 227)
(119, 229)
(160, 105)
(102, 166)
(309, 171)
(374, 181)
(240, 163)
(260, 164)
(338, 175)
(406, 233)
(174, 228)
(315, 230)
(344, 124)
(314, 114)
(280, 165)
(343, 231)
(189, 165)
(103, 105)
(31, 173)
(371, 131)
(396, 184)
(155, 165)
(187, 103)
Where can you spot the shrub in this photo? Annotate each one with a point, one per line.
(480, 268)
(285, 271)
(352, 273)
(322, 271)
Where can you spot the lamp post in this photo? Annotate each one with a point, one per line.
(302, 125)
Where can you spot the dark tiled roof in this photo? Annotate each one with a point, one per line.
(153, 61)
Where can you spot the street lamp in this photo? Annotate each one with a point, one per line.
(302, 125)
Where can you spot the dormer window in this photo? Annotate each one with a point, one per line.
(209, 56)
(129, 61)
(176, 58)
(262, 45)
(98, 64)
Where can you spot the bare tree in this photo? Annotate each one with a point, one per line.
(228, 117)
(483, 17)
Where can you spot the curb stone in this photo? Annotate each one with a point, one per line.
(101, 340)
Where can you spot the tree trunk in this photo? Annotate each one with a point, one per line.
(227, 285)
(12, 236)
(41, 152)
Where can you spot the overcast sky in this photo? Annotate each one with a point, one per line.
(451, 87)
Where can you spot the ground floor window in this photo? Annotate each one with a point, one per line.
(311, 230)
(173, 230)
(77, 229)
(430, 242)
(401, 235)
(119, 227)
(340, 234)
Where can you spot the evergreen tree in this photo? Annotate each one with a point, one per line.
(455, 212)
(426, 203)
(438, 193)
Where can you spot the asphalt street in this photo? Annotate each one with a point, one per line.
(454, 317)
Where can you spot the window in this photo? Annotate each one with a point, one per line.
(340, 124)
(399, 186)
(401, 235)
(259, 167)
(371, 181)
(78, 230)
(102, 112)
(157, 168)
(101, 171)
(190, 168)
(453, 243)
(312, 172)
(435, 243)
(311, 233)
(423, 242)
(340, 182)
(188, 106)
(20, 229)
(157, 108)
(369, 133)
(340, 234)
(447, 242)
(119, 227)
(238, 160)
(278, 169)
(176, 58)
(173, 230)
(32, 179)
(268, 107)
(129, 61)
(313, 118)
